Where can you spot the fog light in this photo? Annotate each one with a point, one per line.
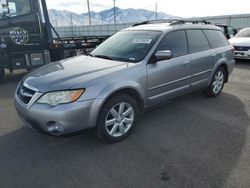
(55, 128)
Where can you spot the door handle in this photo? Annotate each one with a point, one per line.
(214, 55)
(186, 63)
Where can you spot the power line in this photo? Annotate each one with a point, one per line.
(156, 12)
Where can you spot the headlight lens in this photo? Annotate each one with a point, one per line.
(61, 97)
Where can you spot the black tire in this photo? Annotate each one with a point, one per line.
(101, 130)
(209, 91)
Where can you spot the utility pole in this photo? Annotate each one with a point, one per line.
(156, 12)
(71, 22)
(114, 15)
(89, 12)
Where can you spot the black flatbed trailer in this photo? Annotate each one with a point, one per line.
(26, 37)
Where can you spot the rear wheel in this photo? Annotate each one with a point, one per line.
(117, 118)
(217, 84)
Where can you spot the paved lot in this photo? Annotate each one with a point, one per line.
(190, 142)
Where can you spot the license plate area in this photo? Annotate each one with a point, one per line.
(239, 53)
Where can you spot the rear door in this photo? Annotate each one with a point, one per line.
(219, 42)
(203, 58)
(168, 78)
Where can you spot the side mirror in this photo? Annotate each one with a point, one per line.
(163, 55)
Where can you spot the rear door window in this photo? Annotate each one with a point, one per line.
(216, 38)
(176, 42)
(197, 41)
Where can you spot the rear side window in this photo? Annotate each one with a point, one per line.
(176, 42)
(197, 41)
(216, 38)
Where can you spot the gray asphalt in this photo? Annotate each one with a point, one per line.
(191, 142)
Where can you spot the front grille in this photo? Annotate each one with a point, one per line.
(25, 94)
(241, 48)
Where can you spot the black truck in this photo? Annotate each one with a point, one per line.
(26, 37)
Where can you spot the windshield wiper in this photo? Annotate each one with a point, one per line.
(112, 58)
(102, 57)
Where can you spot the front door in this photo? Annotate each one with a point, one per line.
(169, 78)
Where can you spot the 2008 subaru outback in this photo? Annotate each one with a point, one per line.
(136, 68)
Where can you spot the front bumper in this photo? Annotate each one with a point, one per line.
(242, 54)
(62, 119)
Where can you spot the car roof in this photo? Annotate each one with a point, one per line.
(168, 26)
(246, 28)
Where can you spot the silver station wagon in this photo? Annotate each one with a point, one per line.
(136, 68)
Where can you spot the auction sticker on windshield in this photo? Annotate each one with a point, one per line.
(142, 41)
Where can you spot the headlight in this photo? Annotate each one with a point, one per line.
(61, 97)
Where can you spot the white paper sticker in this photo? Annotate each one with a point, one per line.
(142, 41)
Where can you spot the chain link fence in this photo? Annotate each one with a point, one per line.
(237, 21)
(95, 30)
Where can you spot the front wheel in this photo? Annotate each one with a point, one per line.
(117, 118)
(217, 84)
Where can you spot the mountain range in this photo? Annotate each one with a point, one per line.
(66, 18)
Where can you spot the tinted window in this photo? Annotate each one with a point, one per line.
(216, 38)
(176, 42)
(197, 41)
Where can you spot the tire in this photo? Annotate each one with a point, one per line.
(113, 124)
(217, 84)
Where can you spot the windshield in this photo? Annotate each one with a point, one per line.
(16, 8)
(128, 46)
(243, 33)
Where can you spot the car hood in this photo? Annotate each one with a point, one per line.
(71, 72)
(240, 41)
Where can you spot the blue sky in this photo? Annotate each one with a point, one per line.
(183, 8)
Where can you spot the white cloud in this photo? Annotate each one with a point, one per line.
(183, 8)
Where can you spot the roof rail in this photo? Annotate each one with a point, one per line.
(195, 21)
(173, 21)
(157, 21)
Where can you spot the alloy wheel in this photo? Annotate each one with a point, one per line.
(218, 82)
(119, 119)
